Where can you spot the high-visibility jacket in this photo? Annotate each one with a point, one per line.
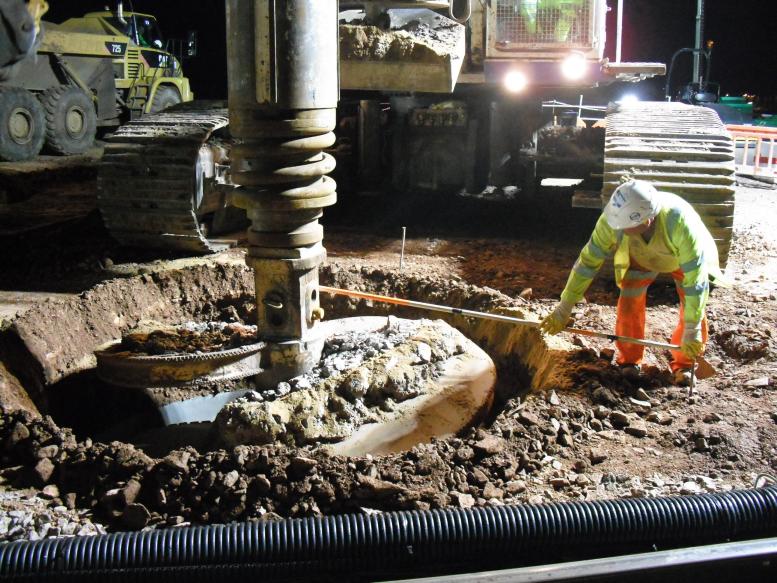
(685, 235)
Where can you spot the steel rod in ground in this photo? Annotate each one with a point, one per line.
(487, 316)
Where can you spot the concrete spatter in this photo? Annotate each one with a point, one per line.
(548, 362)
(376, 389)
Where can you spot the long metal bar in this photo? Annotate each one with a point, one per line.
(487, 316)
(699, 42)
(619, 43)
(660, 563)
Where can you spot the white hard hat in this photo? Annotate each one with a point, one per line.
(632, 204)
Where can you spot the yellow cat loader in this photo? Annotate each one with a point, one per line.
(99, 70)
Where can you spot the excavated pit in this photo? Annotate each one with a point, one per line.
(405, 403)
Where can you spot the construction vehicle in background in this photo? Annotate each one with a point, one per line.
(20, 22)
(446, 96)
(92, 72)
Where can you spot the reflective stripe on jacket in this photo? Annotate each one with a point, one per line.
(685, 236)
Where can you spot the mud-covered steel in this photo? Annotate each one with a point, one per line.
(301, 37)
(379, 546)
(283, 60)
(144, 371)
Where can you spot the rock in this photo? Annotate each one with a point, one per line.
(712, 418)
(70, 500)
(424, 352)
(597, 455)
(619, 419)
(50, 492)
(581, 466)
(601, 412)
(135, 516)
(759, 382)
(515, 487)
(177, 461)
(642, 395)
(528, 419)
(464, 454)
(526, 294)
(553, 399)
(637, 429)
(300, 466)
(559, 483)
(379, 488)
(49, 451)
(490, 491)
(701, 444)
(263, 485)
(477, 476)
(462, 500)
(230, 479)
(690, 488)
(18, 433)
(489, 445)
(596, 425)
(43, 471)
(604, 396)
(640, 404)
(130, 492)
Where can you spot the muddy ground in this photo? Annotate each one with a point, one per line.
(598, 436)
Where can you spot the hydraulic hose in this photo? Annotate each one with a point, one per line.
(370, 546)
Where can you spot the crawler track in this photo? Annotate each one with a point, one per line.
(681, 149)
(150, 180)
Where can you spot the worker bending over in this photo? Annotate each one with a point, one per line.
(650, 232)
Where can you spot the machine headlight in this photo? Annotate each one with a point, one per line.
(629, 98)
(515, 81)
(574, 67)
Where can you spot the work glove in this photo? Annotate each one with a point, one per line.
(557, 320)
(693, 344)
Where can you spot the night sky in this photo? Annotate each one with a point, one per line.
(745, 57)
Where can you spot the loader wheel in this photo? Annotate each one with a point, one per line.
(22, 125)
(165, 97)
(71, 121)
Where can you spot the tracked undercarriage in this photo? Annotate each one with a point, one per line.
(681, 149)
(162, 182)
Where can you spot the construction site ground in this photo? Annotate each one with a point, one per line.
(602, 436)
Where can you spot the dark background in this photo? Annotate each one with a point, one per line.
(745, 58)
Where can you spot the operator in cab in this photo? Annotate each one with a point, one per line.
(649, 232)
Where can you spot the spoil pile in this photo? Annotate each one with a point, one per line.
(419, 43)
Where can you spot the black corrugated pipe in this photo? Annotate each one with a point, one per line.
(370, 547)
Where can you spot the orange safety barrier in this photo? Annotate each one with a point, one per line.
(756, 150)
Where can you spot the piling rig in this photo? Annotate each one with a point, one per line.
(447, 96)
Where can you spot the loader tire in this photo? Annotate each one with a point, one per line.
(166, 96)
(71, 120)
(22, 125)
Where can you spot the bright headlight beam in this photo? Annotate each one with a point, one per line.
(629, 98)
(515, 81)
(574, 67)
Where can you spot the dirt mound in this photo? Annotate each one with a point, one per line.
(421, 45)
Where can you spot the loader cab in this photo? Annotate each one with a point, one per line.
(142, 29)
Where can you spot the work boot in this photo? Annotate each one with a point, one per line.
(630, 371)
(682, 377)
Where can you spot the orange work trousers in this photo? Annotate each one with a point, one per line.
(631, 317)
